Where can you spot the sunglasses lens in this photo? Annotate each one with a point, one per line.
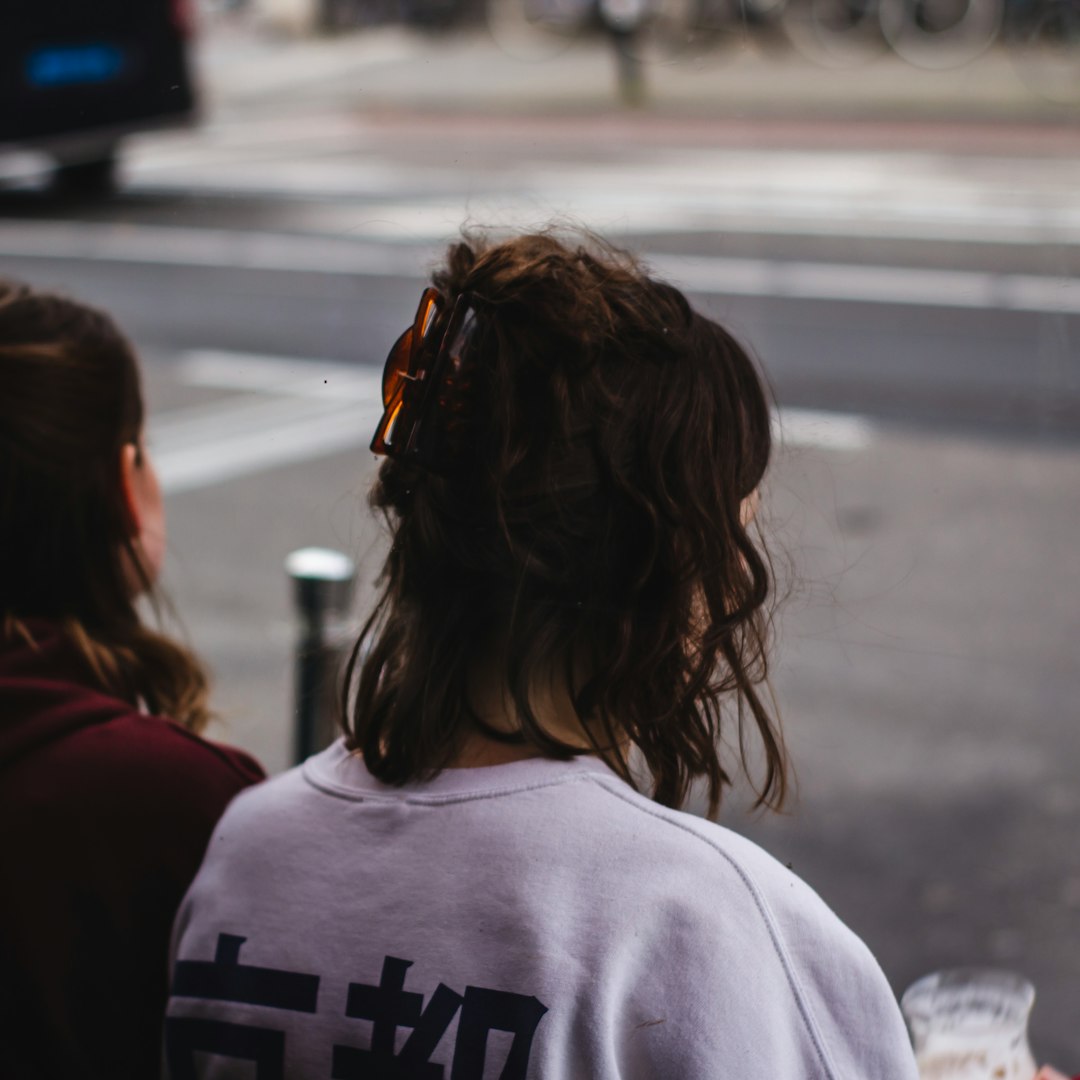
(425, 317)
(387, 432)
(406, 377)
(397, 367)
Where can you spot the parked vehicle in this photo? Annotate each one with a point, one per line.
(76, 77)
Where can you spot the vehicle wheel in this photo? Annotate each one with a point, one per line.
(87, 177)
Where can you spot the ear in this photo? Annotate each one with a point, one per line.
(749, 508)
(130, 462)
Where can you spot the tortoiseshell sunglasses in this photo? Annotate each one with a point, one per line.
(422, 378)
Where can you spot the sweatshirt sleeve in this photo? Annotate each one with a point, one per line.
(122, 814)
(849, 1008)
(750, 972)
(166, 800)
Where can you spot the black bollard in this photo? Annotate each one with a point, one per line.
(322, 584)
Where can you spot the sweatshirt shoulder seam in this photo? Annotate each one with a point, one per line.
(764, 910)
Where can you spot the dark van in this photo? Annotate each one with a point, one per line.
(76, 76)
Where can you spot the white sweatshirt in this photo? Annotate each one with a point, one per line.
(537, 919)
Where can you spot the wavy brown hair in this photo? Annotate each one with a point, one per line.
(590, 521)
(70, 399)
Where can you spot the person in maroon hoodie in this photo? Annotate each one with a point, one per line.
(108, 795)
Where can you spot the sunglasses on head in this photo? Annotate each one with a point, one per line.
(423, 384)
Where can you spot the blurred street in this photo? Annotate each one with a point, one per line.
(901, 248)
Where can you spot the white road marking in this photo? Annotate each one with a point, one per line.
(901, 194)
(228, 370)
(853, 283)
(292, 409)
(844, 282)
(804, 429)
(225, 249)
(229, 455)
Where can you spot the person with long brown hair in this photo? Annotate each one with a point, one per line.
(489, 874)
(108, 794)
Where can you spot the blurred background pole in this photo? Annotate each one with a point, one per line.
(322, 589)
(623, 20)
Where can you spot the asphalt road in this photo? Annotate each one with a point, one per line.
(924, 518)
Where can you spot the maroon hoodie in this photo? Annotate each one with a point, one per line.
(105, 813)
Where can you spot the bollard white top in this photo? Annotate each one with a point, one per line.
(320, 564)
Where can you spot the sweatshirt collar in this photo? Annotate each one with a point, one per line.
(338, 771)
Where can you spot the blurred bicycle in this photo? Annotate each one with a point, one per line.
(1043, 35)
(932, 34)
(939, 34)
(1044, 44)
(834, 33)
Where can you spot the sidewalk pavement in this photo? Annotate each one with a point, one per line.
(755, 80)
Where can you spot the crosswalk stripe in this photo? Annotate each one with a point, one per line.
(853, 283)
(903, 195)
(230, 249)
(289, 410)
(803, 429)
(258, 372)
(720, 276)
(227, 455)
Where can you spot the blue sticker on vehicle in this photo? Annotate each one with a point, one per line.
(74, 65)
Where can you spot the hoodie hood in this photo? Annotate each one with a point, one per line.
(46, 691)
